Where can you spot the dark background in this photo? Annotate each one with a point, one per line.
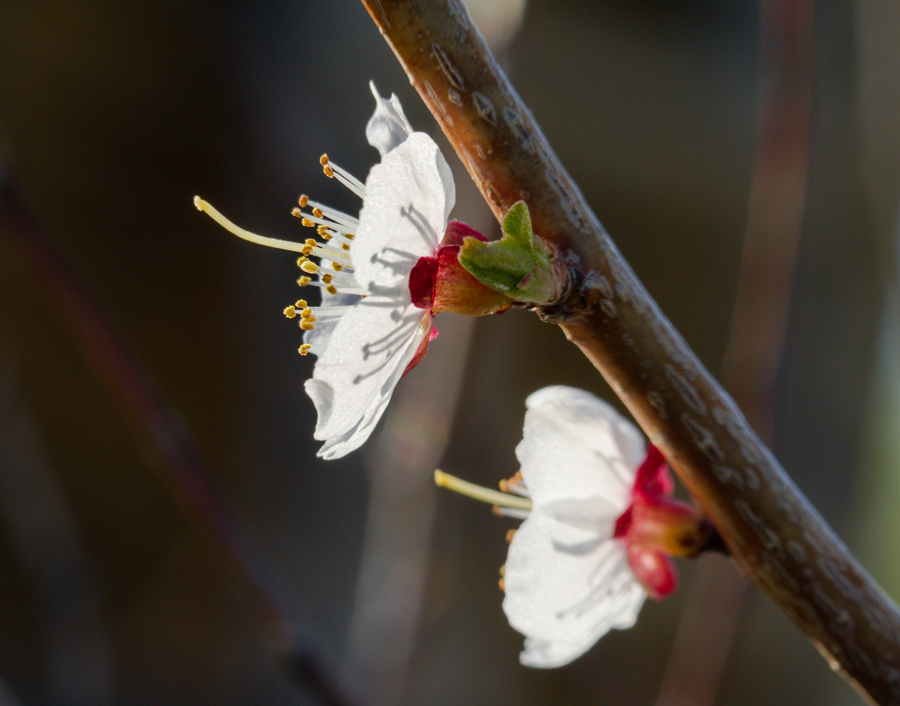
(113, 115)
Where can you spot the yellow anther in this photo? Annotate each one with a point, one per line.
(503, 570)
(327, 277)
(337, 266)
(317, 212)
(502, 584)
(307, 249)
(307, 223)
(349, 236)
(309, 267)
(303, 281)
(303, 200)
(323, 160)
(322, 229)
(345, 246)
(312, 243)
(304, 349)
(301, 260)
(510, 535)
(307, 325)
(307, 313)
(329, 172)
(290, 312)
(296, 212)
(301, 304)
(331, 289)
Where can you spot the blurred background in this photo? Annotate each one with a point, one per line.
(166, 532)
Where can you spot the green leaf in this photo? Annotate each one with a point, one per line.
(518, 265)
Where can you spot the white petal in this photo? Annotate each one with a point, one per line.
(388, 126)
(566, 588)
(575, 445)
(320, 336)
(353, 379)
(403, 217)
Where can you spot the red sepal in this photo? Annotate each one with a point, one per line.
(423, 346)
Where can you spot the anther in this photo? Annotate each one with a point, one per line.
(304, 349)
(327, 277)
(331, 289)
(317, 212)
(309, 267)
(307, 325)
(296, 212)
(307, 223)
(312, 243)
(337, 266)
(329, 172)
(303, 200)
(510, 535)
(307, 314)
(323, 160)
(349, 236)
(301, 304)
(345, 246)
(502, 584)
(307, 249)
(290, 312)
(301, 260)
(303, 281)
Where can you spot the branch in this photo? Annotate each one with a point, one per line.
(779, 541)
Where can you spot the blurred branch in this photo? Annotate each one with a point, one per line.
(46, 537)
(777, 538)
(756, 343)
(179, 461)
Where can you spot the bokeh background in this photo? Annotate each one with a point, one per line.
(113, 589)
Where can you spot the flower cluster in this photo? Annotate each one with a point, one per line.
(600, 525)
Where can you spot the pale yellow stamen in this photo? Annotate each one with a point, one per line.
(307, 325)
(486, 495)
(301, 304)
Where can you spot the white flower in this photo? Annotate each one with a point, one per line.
(567, 579)
(367, 332)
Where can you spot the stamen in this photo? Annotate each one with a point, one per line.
(303, 200)
(343, 176)
(344, 219)
(500, 500)
(290, 312)
(304, 349)
(303, 281)
(317, 212)
(301, 304)
(307, 325)
(245, 234)
(512, 512)
(331, 289)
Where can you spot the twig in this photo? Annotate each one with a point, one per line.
(179, 461)
(777, 538)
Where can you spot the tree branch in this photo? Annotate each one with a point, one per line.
(777, 538)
